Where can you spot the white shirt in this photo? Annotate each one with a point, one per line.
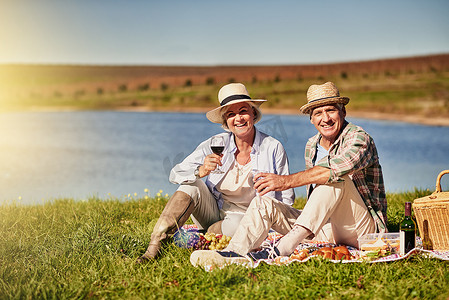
(237, 186)
(267, 155)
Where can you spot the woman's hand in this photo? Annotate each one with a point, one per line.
(210, 163)
(267, 182)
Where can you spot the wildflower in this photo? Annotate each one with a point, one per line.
(135, 194)
(146, 197)
(146, 190)
(166, 195)
(160, 191)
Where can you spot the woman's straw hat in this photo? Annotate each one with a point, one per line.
(230, 94)
(321, 95)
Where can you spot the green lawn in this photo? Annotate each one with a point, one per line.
(87, 249)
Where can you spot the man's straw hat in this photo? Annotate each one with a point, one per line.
(321, 95)
(230, 94)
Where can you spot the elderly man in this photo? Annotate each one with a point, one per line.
(346, 195)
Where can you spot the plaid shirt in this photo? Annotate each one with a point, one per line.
(354, 153)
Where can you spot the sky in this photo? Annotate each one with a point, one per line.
(208, 32)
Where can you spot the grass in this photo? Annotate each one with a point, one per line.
(87, 249)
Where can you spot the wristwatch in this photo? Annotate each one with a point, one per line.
(197, 172)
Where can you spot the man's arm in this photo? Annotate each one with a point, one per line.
(267, 182)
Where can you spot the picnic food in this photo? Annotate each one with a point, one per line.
(336, 253)
(300, 255)
(212, 241)
(380, 242)
(376, 245)
(191, 238)
(339, 253)
(342, 252)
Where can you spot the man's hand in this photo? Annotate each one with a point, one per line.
(267, 182)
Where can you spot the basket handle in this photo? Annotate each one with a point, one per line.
(438, 185)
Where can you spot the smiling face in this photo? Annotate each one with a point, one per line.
(328, 120)
(240, 119)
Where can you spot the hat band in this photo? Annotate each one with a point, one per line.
(234, 97)
(323, 99)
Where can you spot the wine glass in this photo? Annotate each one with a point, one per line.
(254, 173)
(217, 145)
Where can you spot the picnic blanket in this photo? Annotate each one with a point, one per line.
(357, 255)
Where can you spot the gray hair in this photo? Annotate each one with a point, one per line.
(340, 107)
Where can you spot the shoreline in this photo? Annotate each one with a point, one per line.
(412, 119)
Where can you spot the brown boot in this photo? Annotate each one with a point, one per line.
(174, 215)
(215, 228)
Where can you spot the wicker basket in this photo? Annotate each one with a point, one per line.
(432, 216)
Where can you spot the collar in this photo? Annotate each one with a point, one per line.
(317, 137)
(255, 146)
(340, 136)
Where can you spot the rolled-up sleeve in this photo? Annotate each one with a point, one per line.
(184, 171)
(281, 167)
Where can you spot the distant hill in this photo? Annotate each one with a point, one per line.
(38, 75)
(411, 87)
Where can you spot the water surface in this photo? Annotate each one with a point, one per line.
(82, 154)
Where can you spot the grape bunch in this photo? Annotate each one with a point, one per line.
(186, 238)
(212, 241)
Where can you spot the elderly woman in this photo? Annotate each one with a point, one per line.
(219, 202)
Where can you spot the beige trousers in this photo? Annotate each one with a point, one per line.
(206, 210)
(334, 213)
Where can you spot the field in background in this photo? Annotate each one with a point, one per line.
(416, 86)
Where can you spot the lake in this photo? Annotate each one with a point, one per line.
(48, 155)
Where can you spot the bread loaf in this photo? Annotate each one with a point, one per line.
(339, 253)
(301, 255)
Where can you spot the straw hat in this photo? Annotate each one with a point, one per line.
(230, 94)
(321, 95)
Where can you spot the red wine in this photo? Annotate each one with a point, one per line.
(407, 230)
(217, 149)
